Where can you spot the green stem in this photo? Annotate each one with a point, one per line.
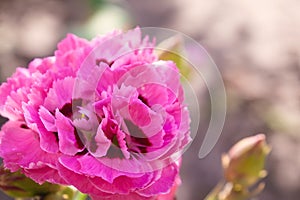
(79, 196)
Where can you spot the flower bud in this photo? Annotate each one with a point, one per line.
(245, 161)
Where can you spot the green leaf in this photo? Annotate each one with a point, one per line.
(173, 49)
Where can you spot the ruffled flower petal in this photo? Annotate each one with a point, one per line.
(22, 150)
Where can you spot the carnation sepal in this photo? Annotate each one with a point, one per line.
(20, 187)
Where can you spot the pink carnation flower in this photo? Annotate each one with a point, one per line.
(104, 116)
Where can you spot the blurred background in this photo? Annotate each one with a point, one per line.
(255, 44)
